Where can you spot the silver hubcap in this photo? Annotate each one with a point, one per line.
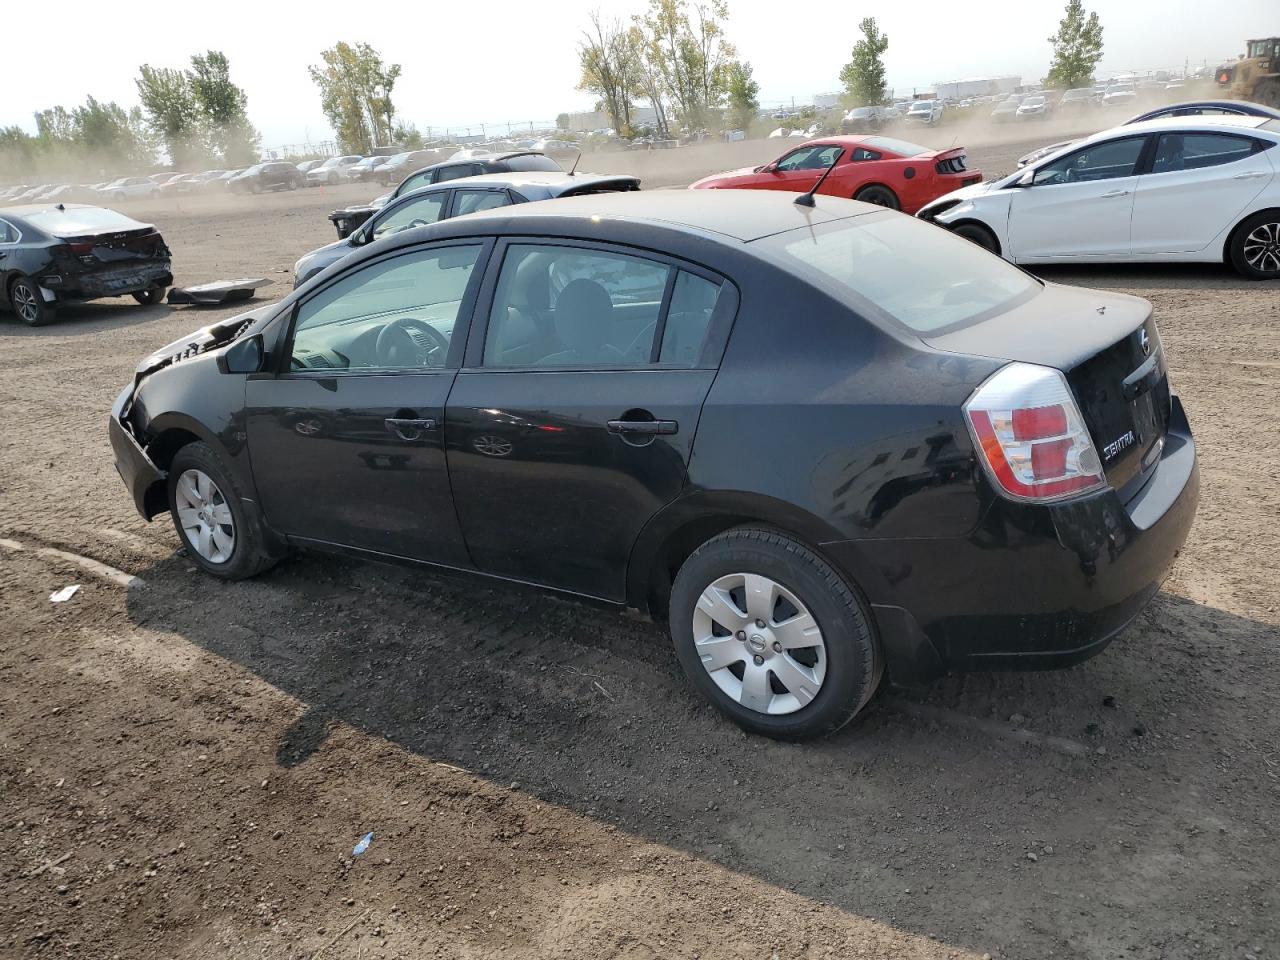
(24, 301)
(205, 517)
(1262, 247)
(759, 643)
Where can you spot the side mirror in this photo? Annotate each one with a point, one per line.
(243, 356)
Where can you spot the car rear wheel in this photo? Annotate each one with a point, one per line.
(880, 196)
(772, 635)
(210, 516)
(149, 296)
(1255, 246)
(977, 233)
(29, 305)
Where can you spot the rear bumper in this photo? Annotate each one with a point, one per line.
(139, 474)
(125, 279)
(1034, 587)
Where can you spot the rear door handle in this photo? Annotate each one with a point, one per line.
(406, 429)
(1113, 194)
(648, 427)
(1249, 176)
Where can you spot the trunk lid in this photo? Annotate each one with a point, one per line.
(116, 247)
(1109, 349)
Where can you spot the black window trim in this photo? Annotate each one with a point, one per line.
(277, 366)
(713, 344)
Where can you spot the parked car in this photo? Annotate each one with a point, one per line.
(518, 394)
(1034, 107)
(1189, 108)
(454, 198)
(306, 166)
(562, 150)
(272, 175)
(863, 120)
(522, 161)
(881, 170)
(366, 169)
(186, 183)
(128, 188)
(925, 112)
(1006, 110)
(1120, 95)
(1181, 189)
(332, 171)
(402, 164)
(1078, 100)
(53, 254)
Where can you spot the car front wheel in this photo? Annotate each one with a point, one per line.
(1255, 246)
(977, 233)
(210, 515)
(772, 635)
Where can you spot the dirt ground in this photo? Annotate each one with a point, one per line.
(185, 765)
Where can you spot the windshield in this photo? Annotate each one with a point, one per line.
(1033, 101)
(925, 278)
(922, 105)
(903, 148)
(1077, 94)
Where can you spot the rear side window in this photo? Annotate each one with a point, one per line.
(456, 172)
(472, 201)
(574, 307)
(1195, 151)
(693, 302)
(8, 233)
(925, 278)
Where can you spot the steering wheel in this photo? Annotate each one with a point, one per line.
(397, 347)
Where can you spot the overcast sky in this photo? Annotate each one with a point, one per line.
(502, 61)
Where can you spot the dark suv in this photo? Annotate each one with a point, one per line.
(525, 161)
(272, 175)
(824, 443)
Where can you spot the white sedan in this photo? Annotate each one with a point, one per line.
(1201, 189)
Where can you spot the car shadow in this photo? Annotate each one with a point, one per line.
(1140, 276)
(935, 827)
(94, 316)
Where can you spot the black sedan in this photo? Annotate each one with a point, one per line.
(52, 254)
(520, 162)
(824, 442)
(454, 198)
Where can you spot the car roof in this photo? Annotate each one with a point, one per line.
(1200, 121)
(738, 215)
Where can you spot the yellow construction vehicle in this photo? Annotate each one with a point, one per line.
(1256, 76)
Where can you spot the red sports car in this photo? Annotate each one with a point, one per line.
(881, 170)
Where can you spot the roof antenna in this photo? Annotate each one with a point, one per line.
(576, 161)
(806, 199)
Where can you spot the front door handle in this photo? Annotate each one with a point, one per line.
(650, 428)
(1249, 176)
(406, 429)
(1113, 194)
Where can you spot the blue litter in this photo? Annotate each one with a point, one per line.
(363, 845)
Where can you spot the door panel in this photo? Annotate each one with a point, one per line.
(1072, 219)
(545, 491)
(1188, 200)
(328, 467)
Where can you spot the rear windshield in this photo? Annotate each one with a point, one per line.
(531, 161)
(922, 276)
(1272, 125)
(77, 221)
(902, 148)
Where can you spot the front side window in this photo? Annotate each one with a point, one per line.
(1100, 161)
(418, 212)
(396, 314)
(473, 201)
(571, 307)
(422, 178)
(1195, 151)
(810, 158)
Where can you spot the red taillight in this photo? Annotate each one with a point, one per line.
(1030, 435)
(80, 247)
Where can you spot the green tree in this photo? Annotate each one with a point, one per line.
(686, 50)
(408, 136)
(173, 113)
(607, 70)
(863, 76)
(1077, 48)
(744, 95)
(355, 95)
(223, 109)
(562, 121)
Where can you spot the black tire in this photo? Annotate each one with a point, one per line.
(149, 296)
(977, 233)
(1267, 93)
(880, 196)
(248, 555)
(1255, 246)
(854, 662)
(29, 305)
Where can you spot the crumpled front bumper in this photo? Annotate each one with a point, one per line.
(139, 474)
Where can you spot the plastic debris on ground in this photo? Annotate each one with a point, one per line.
(65, 594)
(363, 845)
